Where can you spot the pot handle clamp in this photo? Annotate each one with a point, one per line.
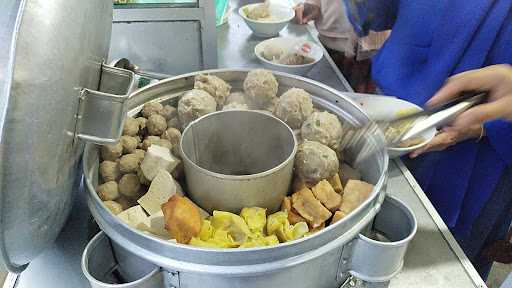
(100, 116)
(376, 257)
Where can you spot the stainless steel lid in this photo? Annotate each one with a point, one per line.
(49, 52)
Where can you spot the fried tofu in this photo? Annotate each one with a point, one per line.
(293, 216)
(348, 173)
(338, 215)
(314, 230)
(355, 193)
(335, 182)
(305, 203)
(182, 219)
(324, 192)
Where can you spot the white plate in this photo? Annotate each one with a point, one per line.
(388, 108)
(287, 44)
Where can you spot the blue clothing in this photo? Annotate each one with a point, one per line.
(430, 41)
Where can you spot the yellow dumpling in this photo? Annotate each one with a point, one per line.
(206, 230)
(220, 239)
(256, 219)
(233, 224)
(261, 242)
(277, 224)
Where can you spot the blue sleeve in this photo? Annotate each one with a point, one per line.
(499, 133)
(366, 15)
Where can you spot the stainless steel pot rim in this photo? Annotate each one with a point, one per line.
(240, 177)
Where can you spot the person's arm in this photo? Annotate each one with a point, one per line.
(366, 15)
(494, 117)
(308, 11)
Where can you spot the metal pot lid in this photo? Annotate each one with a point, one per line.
(51, 52)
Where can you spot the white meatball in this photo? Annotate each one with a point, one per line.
(260, 86)
(322, 127)
(294, 106)
(236, 97)
(235, 106)
(194, 104)
(272, 52)
(315, 162)
(215, 86)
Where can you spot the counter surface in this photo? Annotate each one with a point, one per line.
(433, 258)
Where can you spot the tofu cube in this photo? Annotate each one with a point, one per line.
(135, 217)
(161, 189)
(156, 225)
(305, 203)
(156, 159)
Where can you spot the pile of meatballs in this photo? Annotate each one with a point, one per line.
(324, 190)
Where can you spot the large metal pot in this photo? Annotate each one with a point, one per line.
(314, 261)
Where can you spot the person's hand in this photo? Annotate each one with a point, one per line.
(306, 12)
(447, 137)
(496, 79)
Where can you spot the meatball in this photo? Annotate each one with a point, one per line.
(322, 127)
(272, 52)
(294, 106)
(142, 122)
(315, 161)
(140, 153)
(113, 206)
(260, 86)
(129, 185)
(235, 106)
(236, 97)
(126, 202)
(152, 108)
(131, 127)
(129, 163)
(111, 152)
(109, 171)
(194, 104)
(215, 86)
(129, 143)
(174, 123)
(173, 135)
(156, 125)
(169, 112)
(108, 191)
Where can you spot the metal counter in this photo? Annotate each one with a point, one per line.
(433, 260)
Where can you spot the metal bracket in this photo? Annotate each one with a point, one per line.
(100, 116)
(344, 262)
(173, 279)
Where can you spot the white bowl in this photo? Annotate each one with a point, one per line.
(287, 44)
(388, 108)
(268, 28)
